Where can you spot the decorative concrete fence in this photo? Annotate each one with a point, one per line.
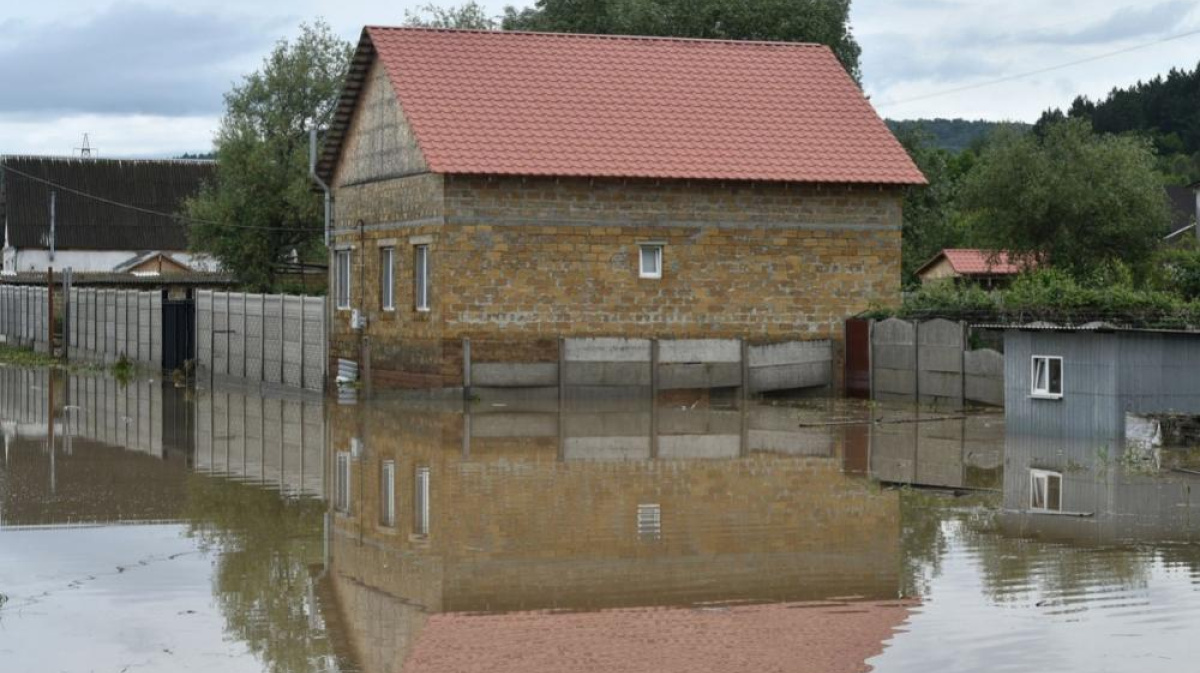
(24, 316)
(621, 365)
(274, 339)
(931, 362)
(105, 325)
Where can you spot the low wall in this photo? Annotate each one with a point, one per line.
(106, 325)
(273, 339)
(24, 318)
(634, 365)
(931, 362)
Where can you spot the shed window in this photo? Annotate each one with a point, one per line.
(1047, 376)
(421, 277)
(651, 260)
(387, 494)
(1045, 491)
(421, 502)
(342, 281)
(387, 279)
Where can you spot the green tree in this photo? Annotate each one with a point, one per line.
(1079, 200)
(468, 16)
(261, 206)
(932, 219)
(823, 21)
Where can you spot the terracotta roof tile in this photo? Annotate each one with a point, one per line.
(971, 261)
(488, 102)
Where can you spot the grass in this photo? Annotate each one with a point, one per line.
(123, 369)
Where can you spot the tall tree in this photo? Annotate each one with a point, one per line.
(1077, 199)
(469, 16)
(261, 206)
(823, 21)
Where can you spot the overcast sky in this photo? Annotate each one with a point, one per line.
(145, 77)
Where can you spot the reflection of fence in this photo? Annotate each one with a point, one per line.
(108, 324)
(265, 440)
(932, 362)
(277, 339)
(23, 316)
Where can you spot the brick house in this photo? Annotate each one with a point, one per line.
(515, 188)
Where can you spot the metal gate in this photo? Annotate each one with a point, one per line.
(858, 358)
(179, 331)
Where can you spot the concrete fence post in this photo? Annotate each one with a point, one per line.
(262, 342)
(245, 326)
(228, 369)
(745, 355)
(917, 361)
(562, 385)
(654, 346)
(303, 359)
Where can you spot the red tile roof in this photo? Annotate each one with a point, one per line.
(490, 102)
(975, 262)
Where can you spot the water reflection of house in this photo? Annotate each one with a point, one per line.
(437, 514)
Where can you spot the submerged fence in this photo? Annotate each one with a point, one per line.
(274, 339)
(932, 362)
(25, 316)
(104, 325)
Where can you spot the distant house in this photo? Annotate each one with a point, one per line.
(514, 188)
(98, 215)
(986, 267)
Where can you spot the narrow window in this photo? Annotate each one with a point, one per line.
(387, 278)
(342, 281)
(649, 521)
(1047, 376)
(387, 494)
(421, 502)
(421, 277)
(651, 261)
(1045, 491)
(341, 483)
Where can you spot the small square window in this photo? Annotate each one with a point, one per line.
(1045, 491)
(650, 261)
(1047, 376)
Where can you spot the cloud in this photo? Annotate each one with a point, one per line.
(130, 59)
(1124, 24)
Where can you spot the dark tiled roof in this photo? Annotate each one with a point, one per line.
(114, 279)
(492, 102)
(84, 223)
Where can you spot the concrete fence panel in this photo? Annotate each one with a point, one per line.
(789, 365)
(940, 346)
(984, 371)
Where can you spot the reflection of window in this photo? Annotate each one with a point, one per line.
(650, 265)
(1045, 491)
(421, 502)
(387, 494)
(1047, 376)
(342, 279)
(341, 484)
(649, 521)
(387, 283)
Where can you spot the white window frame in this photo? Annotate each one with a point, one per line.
(421, 497)
(657, 249)
(649, 521)
(387, 494)
(387, 278)
(342, 478)
(1045, 392)
(343, 279)
(1044, 477)
(421, 277)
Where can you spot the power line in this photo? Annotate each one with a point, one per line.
(128, 206)
(1039, 71)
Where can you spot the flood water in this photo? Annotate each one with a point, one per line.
(145, 527)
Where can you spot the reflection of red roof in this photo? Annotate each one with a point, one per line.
(793, 637)
(492, 102)
(976, 262)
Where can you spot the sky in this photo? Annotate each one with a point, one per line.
(146, 77)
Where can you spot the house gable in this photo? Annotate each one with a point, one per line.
(379, 142)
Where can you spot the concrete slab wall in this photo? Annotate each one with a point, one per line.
(106, 325)
(23, 316)
(931, 362)
(274, 339)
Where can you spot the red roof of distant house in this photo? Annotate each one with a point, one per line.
(493, 102)
(976, 262)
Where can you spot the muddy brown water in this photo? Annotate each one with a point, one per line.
(149, 528)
